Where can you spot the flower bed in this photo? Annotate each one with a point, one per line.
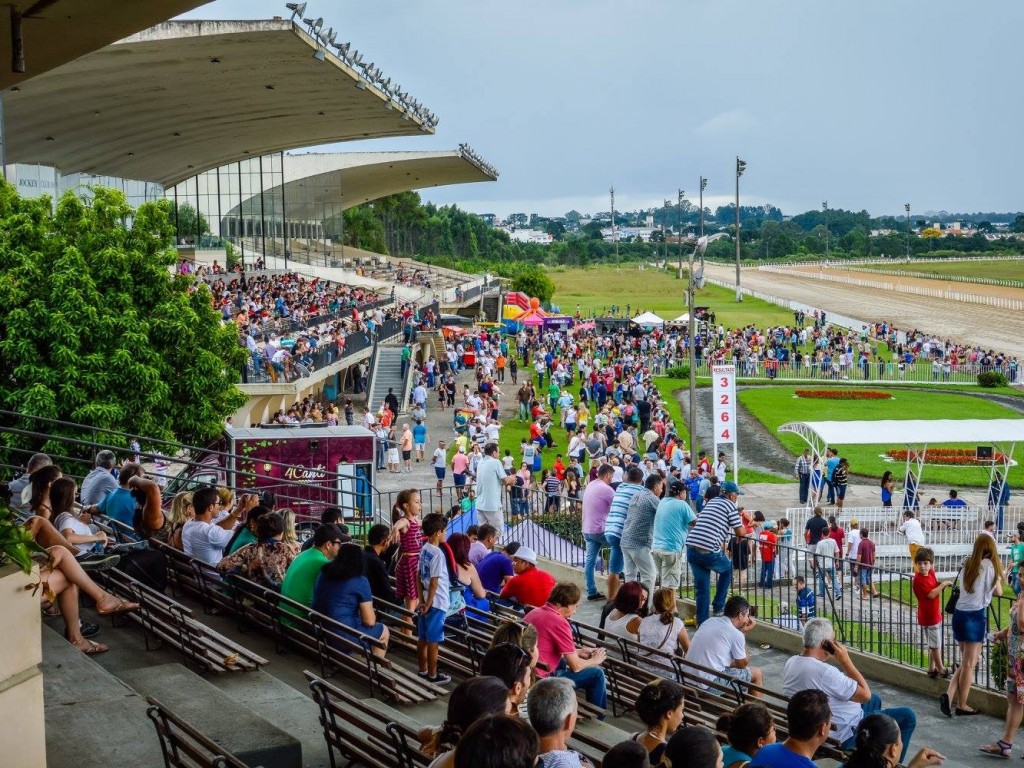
(954, 457)
(844, 394)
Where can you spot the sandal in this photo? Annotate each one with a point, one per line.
(999, 749)
(50, 610)
(121, 606)
(88, 647)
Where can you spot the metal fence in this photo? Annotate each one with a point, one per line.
(879, 371)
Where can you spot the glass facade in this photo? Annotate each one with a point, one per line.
(39, 180)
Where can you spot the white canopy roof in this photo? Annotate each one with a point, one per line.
(910, 432)
(683, 319)
(648, 318)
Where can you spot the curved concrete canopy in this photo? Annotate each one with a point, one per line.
(188, 96)
(321, 184)
(59, 31)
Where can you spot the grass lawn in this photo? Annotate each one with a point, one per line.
(595, 289)
(777, 405)
(993, 270)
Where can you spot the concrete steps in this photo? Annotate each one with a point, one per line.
(387, 373)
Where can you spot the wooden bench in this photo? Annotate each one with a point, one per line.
(167, 622)
(185, 747)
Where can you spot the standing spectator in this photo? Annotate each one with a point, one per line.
(850, 698)
(597, 501)
(672, 522)
(982, 578)
(1011, 635)
(888, 485)
(840, 480)
(638, 532)
(615, 521)
(998, 498)
(440, 464)
(767, 546)
(557, 650)
(460, 466)
(802, 471)
(826, 557)
(928, 591)
(815, 528)
(831, 462)
(553, 711)
(405, 442)
(852, 544)
(530, 585)
(911, 528)
(491, 480)
(720, 644)
(419, 439)
(405, 529)
(704, 554)
(432, 592)
(865, 564)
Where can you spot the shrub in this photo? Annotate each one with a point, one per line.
(844, 394)
(992, 379)
(678, 372)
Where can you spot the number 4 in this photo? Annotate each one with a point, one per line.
(725, 434)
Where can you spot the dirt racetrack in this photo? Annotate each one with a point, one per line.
(990, 327)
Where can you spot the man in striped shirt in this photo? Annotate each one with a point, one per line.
(717, 521)
(802, 470)
(630, 487)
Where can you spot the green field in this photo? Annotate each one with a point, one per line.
(774, 406)
(991, 270)
(595, 289)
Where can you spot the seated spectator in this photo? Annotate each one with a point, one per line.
(720, 645)
(553, 710)
(342, 593)
(18, 487)
(486, 538)
(76, 528)
(330, 516)
(265, 561)
(119, 504)
(513, 665)
(181, 512)
(100, 482)
(849, 697)
(497, 741)
(806, 602)
(523, 635)
(64, 578)
(629, 608)
(530, 585)
(627, 754)
(148, 522)
(808, 719)
(879, 744)
(466, 577)
(749, 728)
(205, 540)
(375, 553)
(496, 568)
(471, 700)
(695, 747)
(660, 707)
(302, 574)
(39, 486)
(557, 651)
(246, 533)
(663, 630)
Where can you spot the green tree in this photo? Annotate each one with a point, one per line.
(96, 329)
(531, 280)
(1018, 223)
(190, 224)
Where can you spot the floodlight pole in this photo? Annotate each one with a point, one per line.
(692, 360)
(679, 223)
(906, 207)
(740, 166)
(615, 239)
(824, 209)
(703, 183)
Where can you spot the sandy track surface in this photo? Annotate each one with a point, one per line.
(981, 289)
(990, 327)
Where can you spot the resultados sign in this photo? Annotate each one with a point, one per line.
(724, 414)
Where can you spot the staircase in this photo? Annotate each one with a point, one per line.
(387, 372)
(432, 342)
(490, 307)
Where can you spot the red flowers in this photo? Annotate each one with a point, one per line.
(844, 394)
(956, 457)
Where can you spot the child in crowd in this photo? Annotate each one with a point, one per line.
(928, 591)
(432, 587)
(767, 544)
(1016, 555)
(806, 603)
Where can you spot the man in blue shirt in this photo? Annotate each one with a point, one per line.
(119, 504)
(830, 467)
(672, 522)
(808, 717)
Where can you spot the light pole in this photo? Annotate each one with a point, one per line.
(692, 355)
(824, 208)
(611, 191)
(703, 183)
(679, 223)
(906, 207)
(741, 165)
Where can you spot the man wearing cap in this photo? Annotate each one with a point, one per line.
(672, 522)
(719, 519)
(491, 478)
(638, 532)
(530, 585)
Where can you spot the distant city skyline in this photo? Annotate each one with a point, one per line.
(869, 105)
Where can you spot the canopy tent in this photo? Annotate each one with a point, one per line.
(587, 326)
(648, 320)
(916, 434)
(683, 319)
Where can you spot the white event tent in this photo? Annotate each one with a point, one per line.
(648, 320)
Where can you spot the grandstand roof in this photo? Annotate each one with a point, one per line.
(321, 184)
(909, 432)
(59, 31)
(188, 96)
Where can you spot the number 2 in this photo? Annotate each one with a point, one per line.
(725, 399)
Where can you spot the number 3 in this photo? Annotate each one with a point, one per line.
(723, 382)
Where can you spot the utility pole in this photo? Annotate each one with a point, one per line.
(691, 351)
(679, 222)
(907, 207)
(740, 167)
(611, 192)
(703, 183)
(824, 208)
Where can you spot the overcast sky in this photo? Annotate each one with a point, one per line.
(865, 103)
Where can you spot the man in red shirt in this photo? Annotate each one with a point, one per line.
(530, 585)
(866, 559)
(556, 649)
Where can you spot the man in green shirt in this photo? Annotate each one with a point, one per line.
(554, 391)
(301, 575)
